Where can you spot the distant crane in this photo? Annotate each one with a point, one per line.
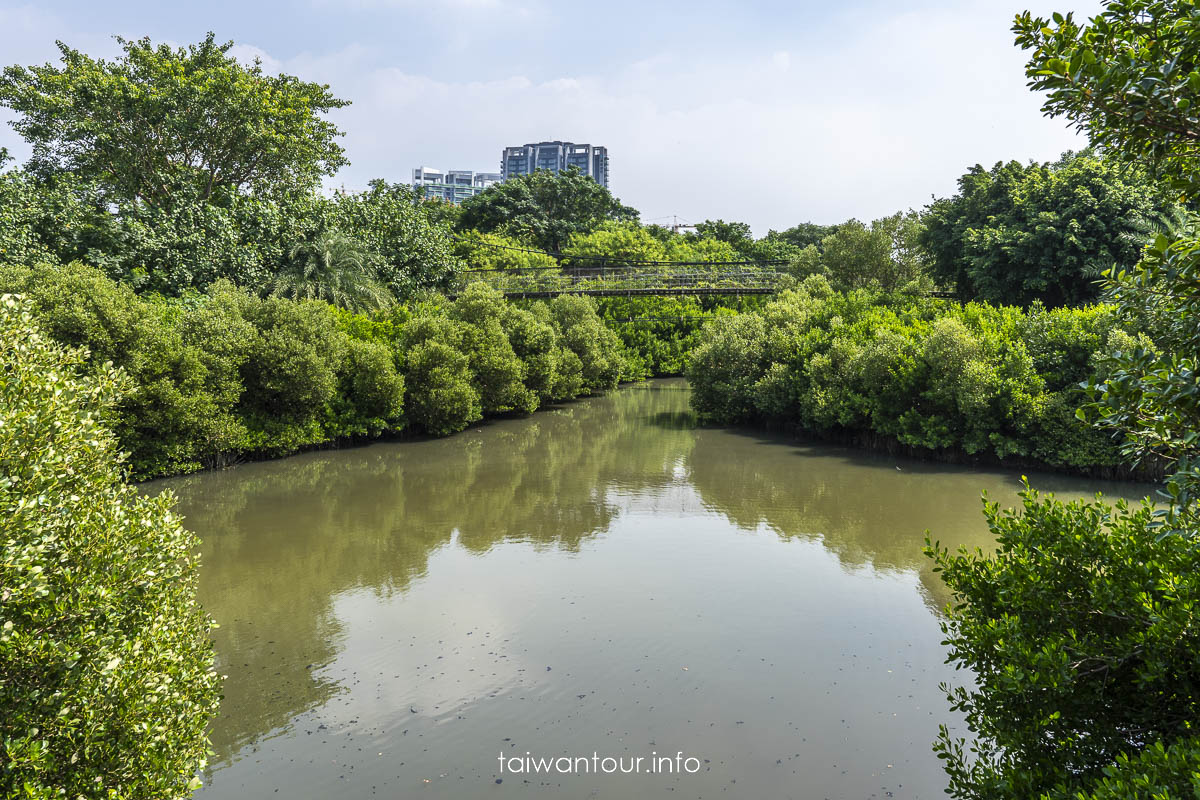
(677, 226)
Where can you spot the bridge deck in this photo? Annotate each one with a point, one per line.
(536, 294)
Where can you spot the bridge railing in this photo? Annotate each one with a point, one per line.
(634, 279)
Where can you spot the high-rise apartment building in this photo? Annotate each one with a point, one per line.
(453, 185)
(554, 156)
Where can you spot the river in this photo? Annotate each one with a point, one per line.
(602, 580)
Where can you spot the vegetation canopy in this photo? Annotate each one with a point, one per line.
(106, 679)
(167, 125)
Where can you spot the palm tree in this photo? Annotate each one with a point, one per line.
(334, 268)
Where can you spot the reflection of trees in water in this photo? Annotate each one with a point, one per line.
(862, 507)
(282, 538)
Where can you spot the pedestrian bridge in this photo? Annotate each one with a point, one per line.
(625, 282)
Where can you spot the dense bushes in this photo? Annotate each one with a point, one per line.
(224, 375)
(1019, 233)
(106, 680)
(932, 375)
(885, 256)
(247, 239)
(1080, 633)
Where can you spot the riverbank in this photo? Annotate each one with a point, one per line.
(935, 379)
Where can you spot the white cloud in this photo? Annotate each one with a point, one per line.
(874, 124)
(878, 120)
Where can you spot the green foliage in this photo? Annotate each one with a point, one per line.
(804, 235)
(1081, 630)
(106, 679)
(20, 208)
(1129, 79)
(169, 126)
(584, 334)
(491, 251)
(884, 256)
(656, 332)
(246, 239)
(927, 374)
(1044, 232)
(1149, 394)
(618, 241)
(184, 363)
(291, 373)
(409, 249)
(499, 373)
(1080, 634)
(227, 374)
(545, 208)
(332, 268)
(441, 398)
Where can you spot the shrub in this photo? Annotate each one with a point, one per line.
(441, 398)
(106, 680)
(291, 375)
(183, 362)
(928, 374)
(371, 391)
(583, 332)
(499, 374)
(1080, 632)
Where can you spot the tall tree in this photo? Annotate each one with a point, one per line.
(1081, 631)
(544, 208)
(1131, 80)
(333, 268)
(161, 124)
(804, 234)
(1019, 233)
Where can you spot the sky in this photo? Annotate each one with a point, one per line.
(771, 113)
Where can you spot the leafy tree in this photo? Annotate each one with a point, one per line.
(21, 207)
(619, 241)
(441, 398)
(291, 373)
(333, 268)
(184, 364)
(736, 234)
(1081, 630)
(549, 373)
(884, 255)
(1129, 79)
(732, 232)
(246, 239)
(106, 667)
(491, 251)
(1081, 635)
(1147, 395)
(1045, 232)
(921, 373)
(545, 208)
(166, 126)
(583, 332)
(410, 250)
(804, 234)
(498, 373)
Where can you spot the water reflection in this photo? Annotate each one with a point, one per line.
(310, 560)
(282, 539)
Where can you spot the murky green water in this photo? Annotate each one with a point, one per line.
(601, 579)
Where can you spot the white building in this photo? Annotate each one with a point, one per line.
(453, 186)
(591, 160)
